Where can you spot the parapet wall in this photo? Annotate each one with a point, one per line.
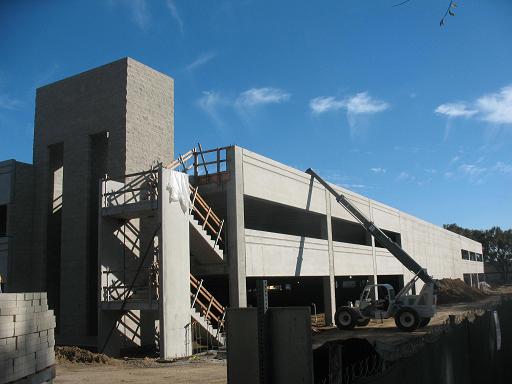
(26, 338)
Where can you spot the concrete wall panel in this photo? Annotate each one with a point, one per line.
(275, 254)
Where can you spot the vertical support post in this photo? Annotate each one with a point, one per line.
(262, 299)
(374, 253)
(218, 160)
(329, 284)
(235, 229)
(174, 303)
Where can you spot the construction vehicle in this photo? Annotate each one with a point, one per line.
(379, 301)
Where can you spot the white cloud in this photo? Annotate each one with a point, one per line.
(473, 172)
(201, 60)
(325, 103)
(404, 176)
(355, 186)
(360, 103)
(497, 107)
(455, 110)
(175, 14)
(210, 102)
(9, 103)
(139, 11)
(494, 107)
(454, 160)
(503, 167)
(378, 170)
(259, 96)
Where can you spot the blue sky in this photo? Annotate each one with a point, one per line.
(377, 98)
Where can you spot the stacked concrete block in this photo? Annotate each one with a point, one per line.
(26, 338)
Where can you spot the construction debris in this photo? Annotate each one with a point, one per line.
(456, 291)
(79, 355)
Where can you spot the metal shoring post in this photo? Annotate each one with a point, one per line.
(262, 300)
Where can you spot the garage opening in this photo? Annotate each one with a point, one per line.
(396, 281)
(349, 288)
(263, 215)
(290, 292)
(393, 236)
(349, 232)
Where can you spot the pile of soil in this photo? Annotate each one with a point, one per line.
(79, 355)
(456, 291)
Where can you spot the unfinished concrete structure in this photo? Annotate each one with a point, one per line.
(125, 265)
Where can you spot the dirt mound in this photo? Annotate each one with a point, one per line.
(79, 355)
(457, 291)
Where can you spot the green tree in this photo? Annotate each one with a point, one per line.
(496, 246)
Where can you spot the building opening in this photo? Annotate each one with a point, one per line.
(349, 288)
(267, 216)
(290, 292)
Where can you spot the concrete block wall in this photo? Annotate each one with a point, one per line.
(26, 336)
(134, 104)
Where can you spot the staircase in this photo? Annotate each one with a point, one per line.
(138, 197)
(206, 228)
(206, 311)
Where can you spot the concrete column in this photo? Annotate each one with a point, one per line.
(374, 253)
(236, 229)
(329, 281)
(175, 332)
(75, 237)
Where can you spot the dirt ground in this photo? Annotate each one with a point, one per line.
(196, 370)
(213, 369)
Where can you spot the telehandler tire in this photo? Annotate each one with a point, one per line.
(407, 319)
(424, 321)
(363, 322)
(345, 318)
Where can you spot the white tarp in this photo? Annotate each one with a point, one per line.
(179, 190)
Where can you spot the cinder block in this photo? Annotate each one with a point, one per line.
(7, 319)
(7, 297)
(8, 304)
(24, 327)
(29, 296)
(7, 330)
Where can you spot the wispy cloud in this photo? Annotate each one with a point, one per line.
(201, 60)
(455, 110)
(503, 167)
(175, 14)
(139, 11)
(378, 170)
(9, 103)
(356, 107)
(325, 104)
(360, 103)
(259, 96)
(454, 159)
(404, 177)
(210, 102)
(473, 172)
(363, 104)
(245, 104)
(495, 108)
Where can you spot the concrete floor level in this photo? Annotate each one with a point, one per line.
(95, 234)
